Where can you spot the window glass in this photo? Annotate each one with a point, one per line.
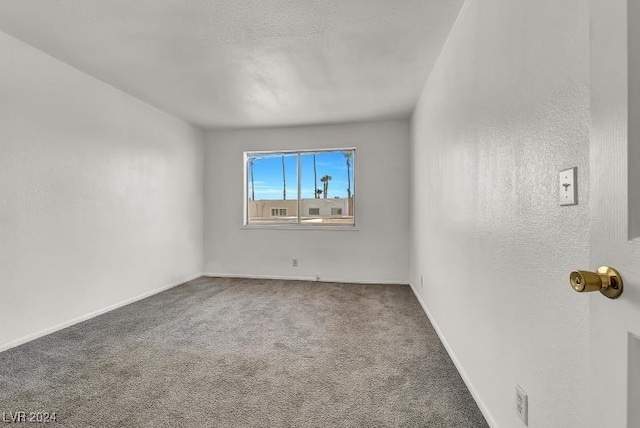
(307, 188)
(272, 188)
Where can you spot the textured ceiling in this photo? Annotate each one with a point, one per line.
(246, 63)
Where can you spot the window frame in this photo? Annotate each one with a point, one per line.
(298, 224)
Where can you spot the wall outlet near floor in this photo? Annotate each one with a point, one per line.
(522, 405)
(294, 262)
(318, 276)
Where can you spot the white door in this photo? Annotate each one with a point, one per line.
(614, 399)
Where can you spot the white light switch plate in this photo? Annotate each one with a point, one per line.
(568, 186)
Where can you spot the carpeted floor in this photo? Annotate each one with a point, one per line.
(237, 352)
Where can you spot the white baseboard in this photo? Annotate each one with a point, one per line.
(69, 323)
(303, 278)
(481, 405)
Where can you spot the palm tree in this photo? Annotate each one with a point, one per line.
(284, 181)
(325, 181)
(348, 156)
(318, 193)
(315, 178)
(253, 193)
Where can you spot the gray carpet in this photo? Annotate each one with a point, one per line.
(237, 352)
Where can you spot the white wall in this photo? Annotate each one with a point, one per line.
(376, 252)
(101, 195)
(506, 108)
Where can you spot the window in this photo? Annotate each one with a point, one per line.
(315, 187)
(278, 212)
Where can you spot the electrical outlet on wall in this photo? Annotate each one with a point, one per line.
(294, 262)
(522, 405)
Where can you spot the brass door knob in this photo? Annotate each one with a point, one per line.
(606, 280)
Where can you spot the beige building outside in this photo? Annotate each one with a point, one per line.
(321, 211)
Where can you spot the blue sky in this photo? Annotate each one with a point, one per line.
(267, 175)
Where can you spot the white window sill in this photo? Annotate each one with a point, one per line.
(299, 227)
